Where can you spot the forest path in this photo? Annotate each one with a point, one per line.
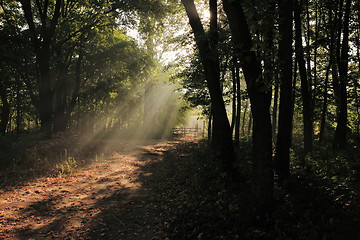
(128, 195)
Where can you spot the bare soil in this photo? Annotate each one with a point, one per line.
(128, 195)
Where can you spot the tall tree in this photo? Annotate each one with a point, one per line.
(282, 156)
(305, 88)
(342, 119)
(209, 60)
(260, 98)
(42, 39)
(5, 109)
(332, 27)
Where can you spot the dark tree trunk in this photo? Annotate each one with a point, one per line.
(5, 110)
(211, 70)
(244, 117)
(41, 39)
(18, 107)
(315, 82)
(60, 102)
(337, 45)
(234, 99)
(260, 98)
(305, 89)
(283, 144)
(238, 106)
(308, 45)
(209, 128)
(64, 109)
(332, 23)
(341, 128)
(324, 105)
(275, 111)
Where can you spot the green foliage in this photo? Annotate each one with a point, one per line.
(68, 166)
(28, 156)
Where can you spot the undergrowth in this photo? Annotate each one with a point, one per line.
(29, 156)
(320, 201)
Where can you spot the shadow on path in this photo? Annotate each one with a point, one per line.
(129, 195)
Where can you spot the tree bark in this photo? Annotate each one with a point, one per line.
(275, 112)
(234, 102)
(212, 75)
(283, 144)
(305, 89)
(5, 110)
(64, 108)
(260, 98)
(238, 106)
(332, 23)
(341, 128)
(41, 41)
(324, 105)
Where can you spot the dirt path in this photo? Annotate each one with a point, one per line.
(128, 195)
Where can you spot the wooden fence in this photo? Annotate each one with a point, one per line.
(188, 132)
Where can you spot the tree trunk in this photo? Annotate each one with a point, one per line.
(260, 98)
(275, 111)
(238, 106)
(209, 128)
(211, 70)
(324, 105)
(64, 109)
(341, 128)
(5, 110)
(244, 116)
(18, 107)
(41, 39)
(332, 23)
(60, 102)
(283, 144)
(234, 98)
(305, 89)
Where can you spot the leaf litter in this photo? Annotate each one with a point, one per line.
(129, 195)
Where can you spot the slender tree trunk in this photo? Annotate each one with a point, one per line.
(238, 109)
(18, 107)
(305, 89)
(249, 124)
(332, 24)
(211, 70)
(283, 144)
(308, 45)
(356, 83)
(315, 82)
(209, 127)
(341, 128)
(324, 105)
(275, 111)
(336, 63)
(5, 110)
(234, 98)
(244, 116)
(260, 98)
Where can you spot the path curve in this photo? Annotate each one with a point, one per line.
(128, 195)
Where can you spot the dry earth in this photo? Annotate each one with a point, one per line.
(128, 195)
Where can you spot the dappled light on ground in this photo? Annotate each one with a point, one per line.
(116, 197)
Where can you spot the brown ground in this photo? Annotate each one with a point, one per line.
(128, 195)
